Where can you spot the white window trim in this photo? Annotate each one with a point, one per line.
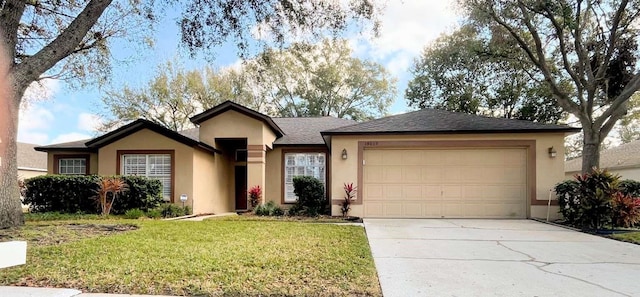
(285, 175)
(72, 166)
(148, 169)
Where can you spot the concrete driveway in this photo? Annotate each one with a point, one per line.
(447, 257)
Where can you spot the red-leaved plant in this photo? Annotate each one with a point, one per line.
(626, 210)
(255, 196)
(350, 194)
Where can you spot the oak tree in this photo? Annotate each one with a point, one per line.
(67, 38)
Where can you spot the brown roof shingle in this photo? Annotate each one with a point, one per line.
(302, 131)
(441, 121)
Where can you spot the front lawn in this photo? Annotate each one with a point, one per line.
(633, 237)
(210, 258)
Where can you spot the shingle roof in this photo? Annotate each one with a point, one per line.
(72, 146)
(623, 156)
(301, 131)
(441, 121)
(28, 157)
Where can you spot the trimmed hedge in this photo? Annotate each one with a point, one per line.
(75, 194)
(630, 187)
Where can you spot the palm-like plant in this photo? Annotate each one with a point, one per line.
(106, 186)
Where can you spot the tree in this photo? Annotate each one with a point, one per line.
(51, 38)
(629, 128)
(464, 72)
(322, 80)
(591, 44)
(175, 94)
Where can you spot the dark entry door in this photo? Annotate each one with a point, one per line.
(241, 187)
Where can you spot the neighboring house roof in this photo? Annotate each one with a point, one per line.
(306, 131)
(433, 121)
(229, 105)
(30, 159)
(623, 156)
(126, 130)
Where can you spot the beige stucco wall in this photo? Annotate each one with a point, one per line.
(232, 124)
(273, 180)
(213, 182)
(549, 171)
(625, 173)
(148, 140)
(93, 160)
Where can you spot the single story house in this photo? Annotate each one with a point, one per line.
(623, 160)
(30, 162)
(427, 163)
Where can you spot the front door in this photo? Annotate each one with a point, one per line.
(241, 187)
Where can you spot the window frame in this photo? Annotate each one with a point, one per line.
(58, 157)
(327, 170)
(171, 153)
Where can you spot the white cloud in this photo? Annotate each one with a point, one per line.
(33, 121)
(89, 122)
(67, 137)
(407, 26)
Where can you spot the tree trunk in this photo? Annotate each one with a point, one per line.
(590, 149)
(10, 206)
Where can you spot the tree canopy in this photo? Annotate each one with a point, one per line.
(465, 72)
(51, 38)
(322, 79)
(304, 80)
(589, 44)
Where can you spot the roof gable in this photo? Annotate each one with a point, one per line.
(432, 121)
(229, 105)
(138, 125)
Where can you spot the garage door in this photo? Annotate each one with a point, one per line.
(445, 183)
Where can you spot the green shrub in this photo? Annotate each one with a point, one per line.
(311, 196)
(170, 210)
(569, 200)
(134, 213)
(596, 197)
(630, 187)
(75, 193)
(62, 193)
(143, 193)
(294, 210)
(154, 213)
(268, 209)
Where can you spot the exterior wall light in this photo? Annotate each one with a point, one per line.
(344, 154)
(552, 152)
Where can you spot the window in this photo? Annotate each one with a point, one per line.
(302, 164)
(156, 166)
(72, 166)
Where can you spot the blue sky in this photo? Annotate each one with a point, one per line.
(58, 113)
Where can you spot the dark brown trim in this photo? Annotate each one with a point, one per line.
(327, 171)
(58, 157)
(529, 145)
(255, 154)
(256, 147)
(119, 154)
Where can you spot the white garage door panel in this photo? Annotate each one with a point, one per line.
(455, 183)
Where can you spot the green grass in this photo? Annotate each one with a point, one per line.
(210, 258)
(633, 237)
